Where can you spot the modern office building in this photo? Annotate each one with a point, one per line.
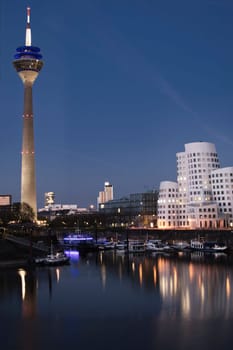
(28, 63)
(138, 209)
(105, 195)
(202, 197)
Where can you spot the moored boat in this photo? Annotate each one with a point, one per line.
(53, 258)
(130, 246)
(136, 246)
(157, 246)
(208, 246)
(58, 258)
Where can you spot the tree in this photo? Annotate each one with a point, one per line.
(22, 212)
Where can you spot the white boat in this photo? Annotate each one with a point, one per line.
(156, 246)
(136, 246)
(207, 246)
(130, 246)
(53, 258)
(58, 258)
(121, 247)
(108, 245)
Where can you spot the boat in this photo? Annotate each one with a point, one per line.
(77, 239)
(121, 247)
(58, 258)
(136, 246)
(53, 258)
(208, 246)
(107, 245)
(130, 246)
(157, 246)
(81, 241)
(180, 245)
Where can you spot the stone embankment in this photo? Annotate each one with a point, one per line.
(14, 255)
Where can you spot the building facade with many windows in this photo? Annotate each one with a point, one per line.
(204, 196)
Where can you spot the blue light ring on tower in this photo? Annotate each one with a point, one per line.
(30, 51)
(34, 55)
(28, 48)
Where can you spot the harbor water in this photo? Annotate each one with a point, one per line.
(114, 301)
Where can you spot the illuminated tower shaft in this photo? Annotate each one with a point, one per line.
(28, 64)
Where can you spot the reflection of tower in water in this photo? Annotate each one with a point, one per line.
(28, 294)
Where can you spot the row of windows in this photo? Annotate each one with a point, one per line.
(221, 174)
(206, 210)
(174, 223)
(221, 181)
(202, 160)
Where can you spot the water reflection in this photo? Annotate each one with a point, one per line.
(186, 287)
(190, 286)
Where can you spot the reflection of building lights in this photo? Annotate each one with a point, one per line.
(175, 280)
(228, 287)
(140, 273)
(202, 293)
(101, 258)
(22, 274)
(191, 272)
(58, 275)
(103, 275)
(171, 285)
(160, 264)
(154, 275)
(133, 266)
(186, 303)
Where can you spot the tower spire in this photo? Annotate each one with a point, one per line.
(28, 36)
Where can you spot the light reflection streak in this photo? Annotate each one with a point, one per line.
(133, 266)
(154, 275)
(22, 273)
(186, 303)
(202, 293)
(191, 271)
(101, 258)
(228, 287)
(140, 274)
(175, 280)
(58, 275)
(103, 275)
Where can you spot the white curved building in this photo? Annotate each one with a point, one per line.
(197, 201)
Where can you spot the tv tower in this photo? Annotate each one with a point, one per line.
(28, 63)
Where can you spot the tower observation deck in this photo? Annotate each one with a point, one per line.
(28, 63)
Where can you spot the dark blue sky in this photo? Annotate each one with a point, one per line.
(125, 85)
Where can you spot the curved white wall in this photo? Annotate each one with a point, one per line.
(167, 204)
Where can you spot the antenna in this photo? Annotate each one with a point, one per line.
(28, 36)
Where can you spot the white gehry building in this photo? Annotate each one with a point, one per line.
(199, 203)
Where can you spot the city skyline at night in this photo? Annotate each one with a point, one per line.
(124, 85)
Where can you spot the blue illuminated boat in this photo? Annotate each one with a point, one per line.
(80, 241)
